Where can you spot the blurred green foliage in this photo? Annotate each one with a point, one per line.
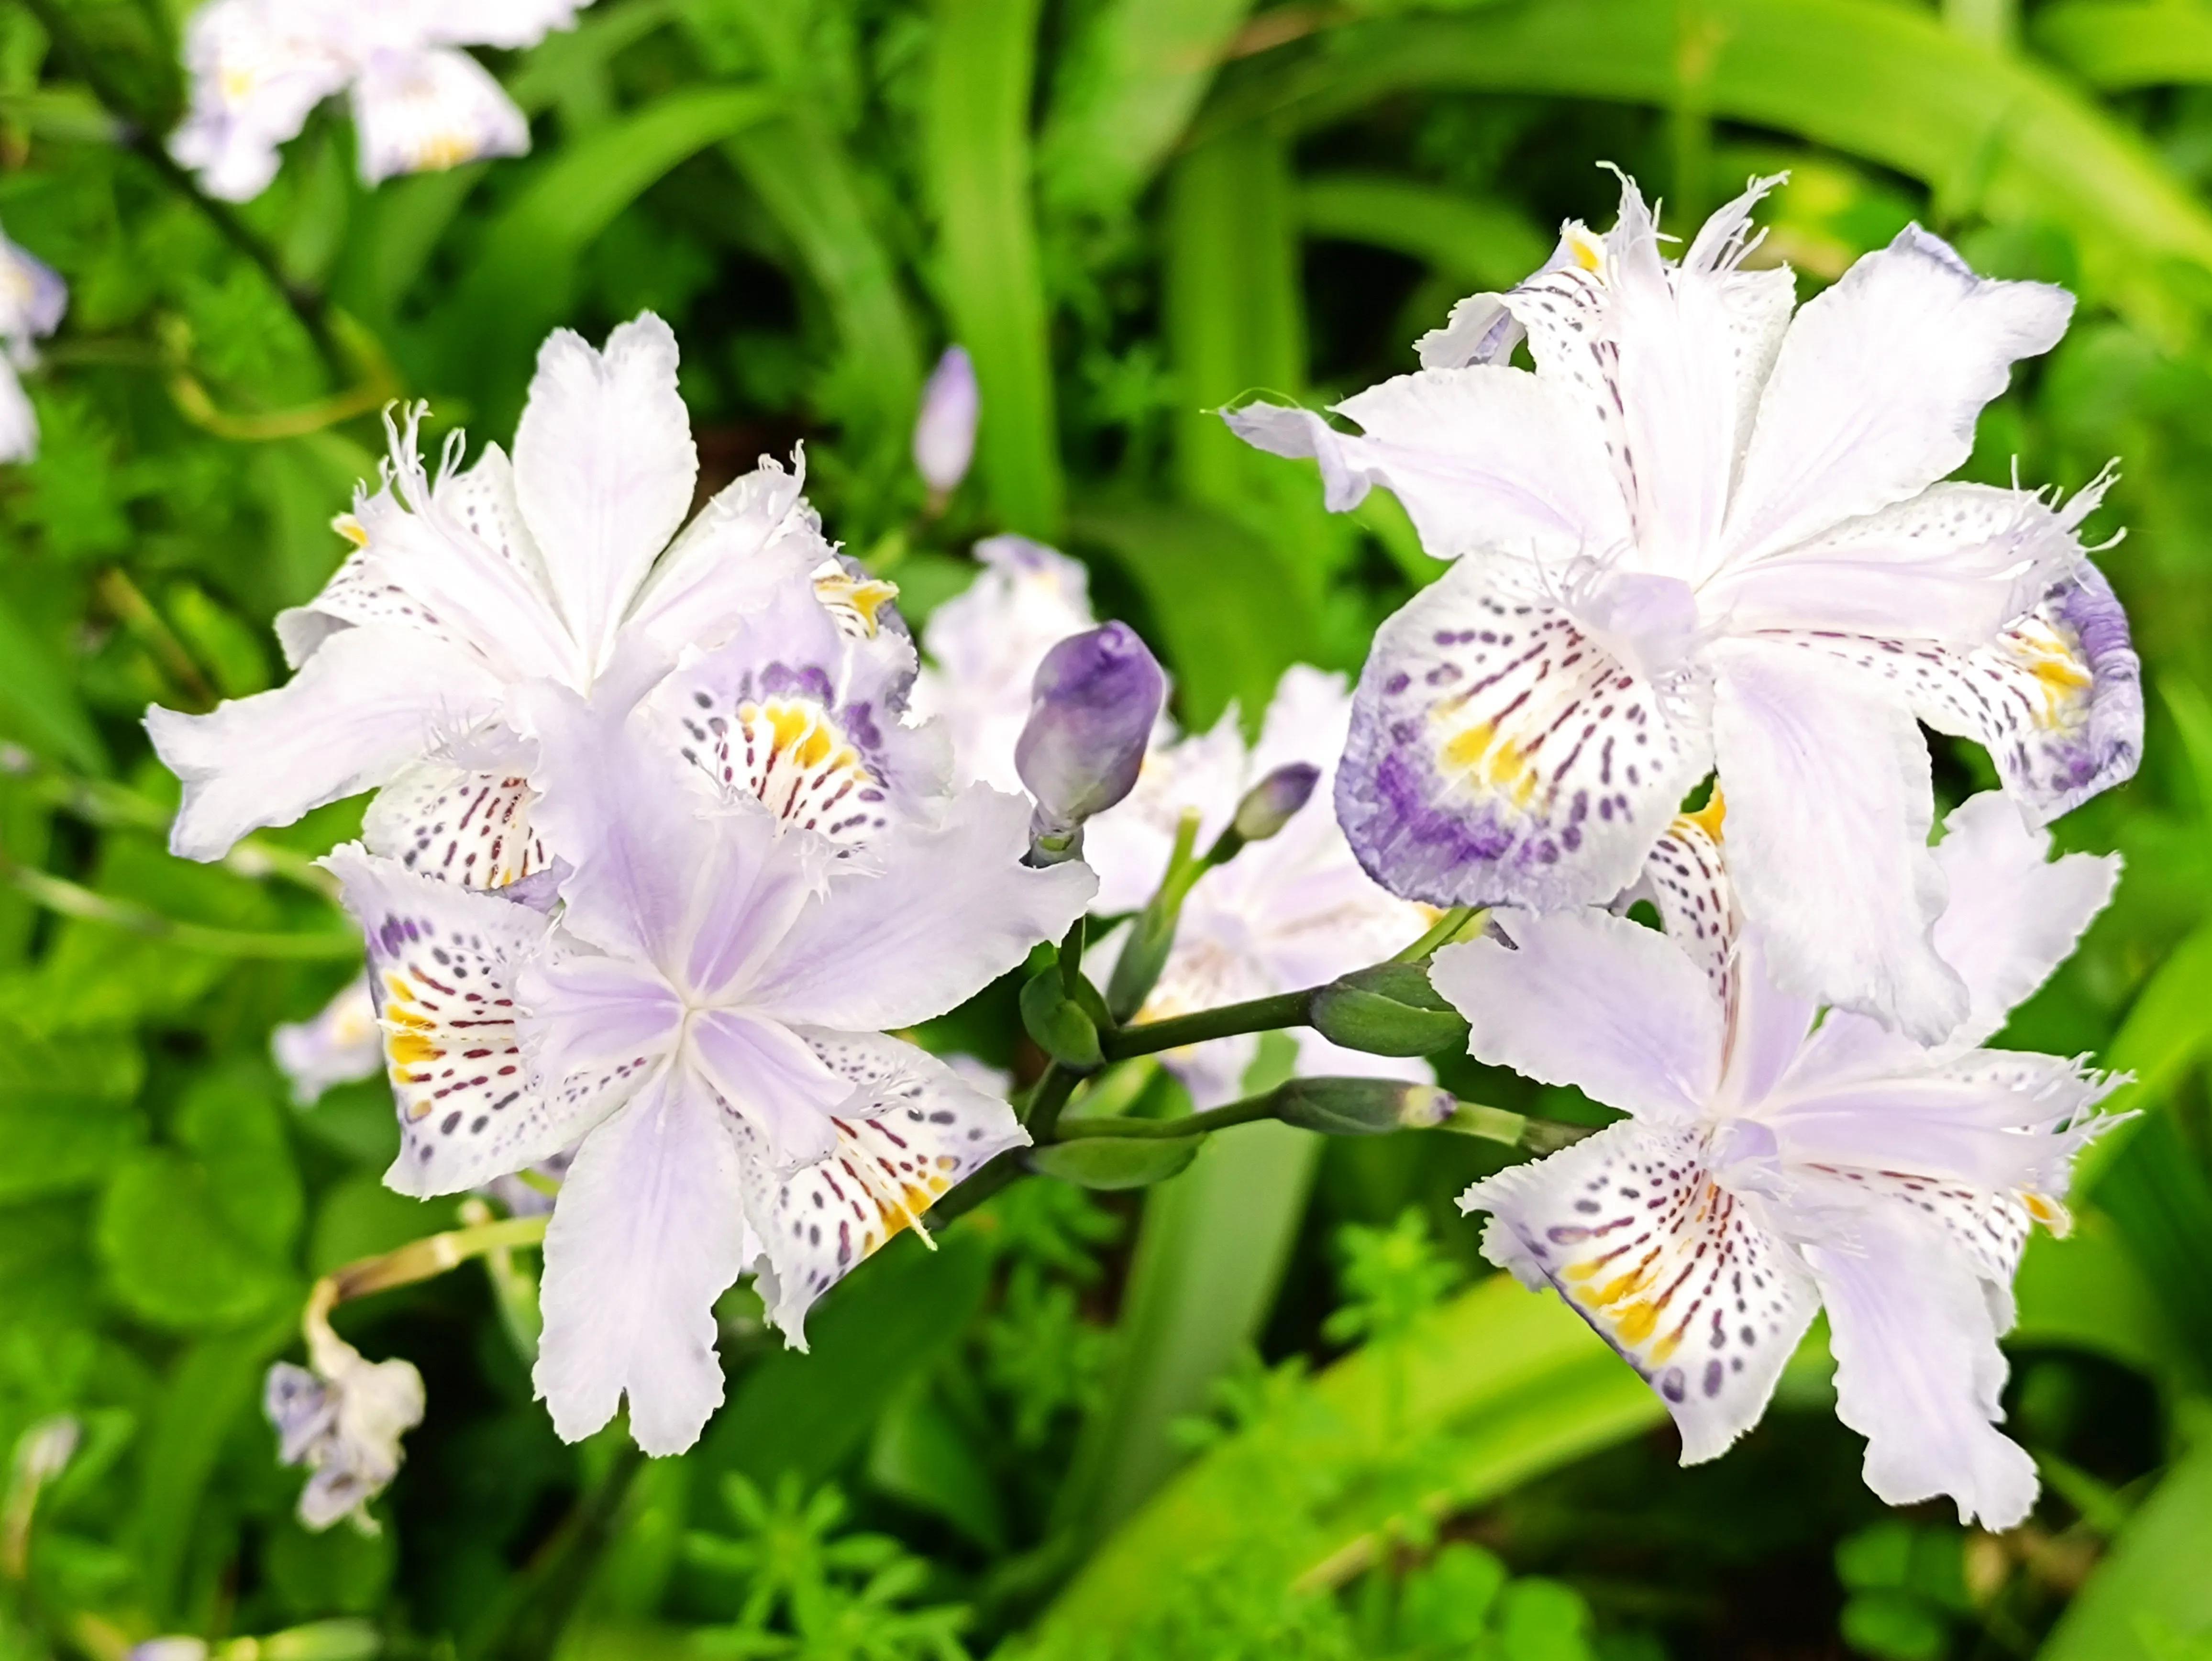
(1275, 1408)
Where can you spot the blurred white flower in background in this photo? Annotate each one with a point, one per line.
(32, 298)
(259, 67)
(341, 1045)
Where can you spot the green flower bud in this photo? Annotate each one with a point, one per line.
(1362, 1107)
(1272, 804)
(1388, 1010)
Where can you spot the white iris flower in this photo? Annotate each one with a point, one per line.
(1707, 534)
(1771, 1167)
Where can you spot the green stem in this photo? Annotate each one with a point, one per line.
(73, 900)
(1047, 1097)
(308, 305)
(1443, 933)
(1260, 1015)
(1071, 956)
(996, 1174)
(1262, 1106)
(432, 1256)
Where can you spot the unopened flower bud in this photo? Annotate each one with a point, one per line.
(1272, 804)
(1362, 1107)
(1091, 709)
(1388, 1010)
(944, 430)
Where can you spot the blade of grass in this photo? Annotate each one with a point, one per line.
(981, 85)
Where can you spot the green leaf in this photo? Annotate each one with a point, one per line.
(65, 1111)
(1113, 1162)
(2167, 1029)
(233, 1121)
(981, 87)
(2087, 1291)
(1495, 1387)
(1486, 244)
(804, 178)
(361, 1217)
(212, 1385)
(1209, 1260)
(1127, 85)
(1058, 1023)
(522, 282)
(2154, 1576)
(920, 1457)
(1992, 132)
(2118, 46)
(38, 701)
(809, 1411)
(173, 1256)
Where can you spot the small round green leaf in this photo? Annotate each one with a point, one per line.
(1115, 1161)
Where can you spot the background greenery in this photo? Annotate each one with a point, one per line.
(1275, 1408)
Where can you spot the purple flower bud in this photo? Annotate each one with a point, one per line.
(1091, 710)
(1271, 804)
(945, 431)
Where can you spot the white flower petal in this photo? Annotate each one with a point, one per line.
(1953, 564)
(948, 909)
(2056, 699)
(423, 111)
(592, 1028)
(1999, 1120)
(604, 466)
(443, 964)
(1587, 998)
(367, 704)
(1500, 753)
(442, 555)
(666, 875)
(1672, 1270)
(472, 829)
(1829, 805)
(647, 1234)
(914, 1130)
(1659, 367)
(1917, 1368)
(756, 537)
(2014, 914)
(772, 1079)
(1484, 459)
(1876, 391)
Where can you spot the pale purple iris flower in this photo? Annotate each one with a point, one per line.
(1705, 534)
(465, 587)
(1771, 1167)
(705, 1019)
